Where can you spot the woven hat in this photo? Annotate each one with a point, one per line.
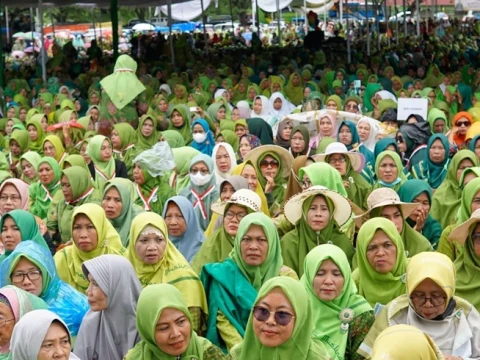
(356, 159)
(286, 158)
(382, 197)
(461, 232)
(242, 197)
(293, 209)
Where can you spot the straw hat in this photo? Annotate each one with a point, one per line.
(242, 197)
(384, 197)
(461, 232)
(293, 209)
(286, 159)
(356, 159)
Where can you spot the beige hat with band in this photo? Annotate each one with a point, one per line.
(286, 159)
(242, 197)
(461, 233)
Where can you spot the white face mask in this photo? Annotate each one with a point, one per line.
(199, 137)
(199, 179)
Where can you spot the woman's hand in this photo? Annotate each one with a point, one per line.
(270, 184)
(421, 218)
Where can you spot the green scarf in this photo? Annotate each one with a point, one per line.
(373, 286)
(280, 183)
(42, 196)
(400, 173)
(57, 144)
(185, 129)
(231, 138)
(75, 160)
(465, 209)
(23, 140)
(325, 175)
(294, 93)
(300, 345)
(144, 143)
(327, 314)
(104, 170)
(447, 197)
(33, 158)
(183, 157)
(37, 145)
(302, 239)
(212, 111)
(151, 302)
(174, 138)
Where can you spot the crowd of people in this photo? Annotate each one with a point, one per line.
(245, 205)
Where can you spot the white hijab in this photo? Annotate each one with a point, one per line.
(287, 106)
(374, 131)
(29, 333)
(265, 108)
(220, 176)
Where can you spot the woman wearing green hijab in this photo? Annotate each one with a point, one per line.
(53, 147)
(159, 108)
(419, 192)
(173, 138)
(29, 164)
(389, 171)
(294, 89)
(231, 286)
(241, 90)
(370, 91)
(342, 318)
(317, 214)
(147, 134)
(381, 262)
(77, 189)
(158, 304)
(229, 137)
(123, 139)
(217, 113)
(19, 144)
(35, 130)
(75, 160)
(446, 198)
(293, 320)
(42, 193)
(180, 121)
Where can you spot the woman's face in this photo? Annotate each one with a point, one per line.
(227, 190)
(269, 166)
(429, 299)
(423, 204)
(257, 106)
(254, 246)
(94, 99)
(177, 119)
(387, 171)
(338, 162)
(326, 126)
(147, 128)
(6, 313)
(15, 148)
(250, 175)
(437, 152)
(277, 104)
(297, 142)
(462, 124)
(28, 170)
(240, 130)
(94, 115)
(318, 214)
(175, 221)
(23, 115)
(45, 174)
(235, 115)
(476, 240)
(439, 126)
(49, 149)
(106, 150)
(232, 218)
(173, 332)
(267, 330)
(331, 105)
(163, 106)
(394, 214)
(138, 175)
(151, 247)
(222, 160)
(276, 87)
(10, 198)
(56, 344)
(112, 203)
(66, 189)
(252, 93)
(116, 140)
(464, 164)
(328, 282)
(345, 135)
(242, 87)
(27, 276)
(11, 112)
(306, 92)
(83, 152)
(32, 132)
(381, 253)
(198, 129)
(363, 131)
(11, 235)
(97, 299)
(221, 113)
(475, 202)
(244, 147)
(84, 233)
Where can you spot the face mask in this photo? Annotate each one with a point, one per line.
(199, 137)
(199, 179)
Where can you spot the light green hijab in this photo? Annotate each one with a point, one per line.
(328, 314)
(142, 142)
(185, 129)
(151, 302)
(373, 286)
(33, 158)
(104, 170)
(36, 121)
(257, 275)
(300, 345)
(42, 194)
(401, 178)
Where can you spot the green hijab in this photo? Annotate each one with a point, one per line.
(37, 145)
(328, 314)
(23, 140)
(280, 183)
(434, 115)
(185, 129)
(447, 197)
(151, 302)
(294, 93)
(212, 111)
(144, 143)
(75, 160)
(258, 275)
(300, 345)
(104, 170)
(43, 195)
(230, 138)
(373, 286)
(401, 178)
(370, 91)
(325, 175)
(465, 209)
(57, 144)
(174, 138)
(33, 158)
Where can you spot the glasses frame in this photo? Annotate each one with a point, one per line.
(275, 315)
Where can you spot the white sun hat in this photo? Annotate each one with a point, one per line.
(356, 159)
(242, 197)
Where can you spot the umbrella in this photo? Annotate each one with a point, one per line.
(32, 34)
(143, 27)
(19, 35)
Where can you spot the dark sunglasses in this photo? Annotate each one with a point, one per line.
(399, 139)
(462, 123)
(282, 318)
(265, 164)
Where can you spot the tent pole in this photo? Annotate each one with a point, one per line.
(279, 18)
(114, 18)
(405, 18)
(32, 26)
(231, 15)
(7, 25)
(417, 8)
(368, 28)
(93, 19)
(43, 51)
(172, 53)
(349, 50)
(396, 20)
(204, 23)
(2, 62)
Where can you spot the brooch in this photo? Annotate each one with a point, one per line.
(346, 317)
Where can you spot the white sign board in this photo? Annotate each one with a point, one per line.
(467, 5)
(407, 107)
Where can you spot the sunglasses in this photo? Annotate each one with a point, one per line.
(462, 123)
(399, 140)
(265, 164)
(282, 318)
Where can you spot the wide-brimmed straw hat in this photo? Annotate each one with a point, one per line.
(461, 233)
(242, 197)
(357, 160)
(382, 197)
(293, 209)
(286, 158)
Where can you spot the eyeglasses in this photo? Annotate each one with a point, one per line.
(19, 277)
(462, 123)
(422, 300)
(306, 183)
(266, 164)
(3, 322)
(230, 215)
(339, 160)
(13, 198)
(282, 318)
(399, 140)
